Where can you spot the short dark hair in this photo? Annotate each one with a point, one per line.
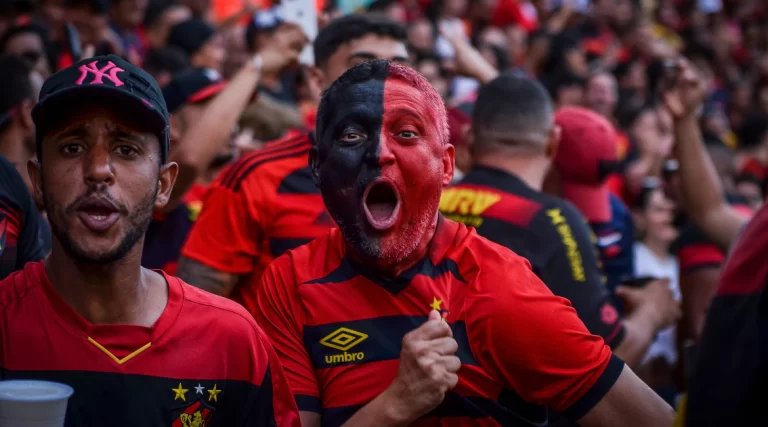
(165, 59)
(30, 27)
(352, 27)
(512, 110)
(15, 85)
(97, 7)
(381, 69)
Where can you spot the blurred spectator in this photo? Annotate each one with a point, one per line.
(565, 87)
(262, 31)
(654, 217)
(91, 20)
(127, 17)
(164, 62)
(19, 88)
(29, 41)
(431, 68)
(601, 94)
(198, 39)
(587, 155)
(159, 20)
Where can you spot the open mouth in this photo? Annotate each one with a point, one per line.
(98, 215)
(381, 205)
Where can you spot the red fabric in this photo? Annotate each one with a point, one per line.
(246, 215)
(700, 254)
(747, 270)
(509, 12)
(198, 336)
(521, 336)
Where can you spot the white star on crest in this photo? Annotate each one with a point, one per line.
(199, 389)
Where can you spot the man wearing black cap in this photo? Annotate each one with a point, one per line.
(198, 39)
(138, 346)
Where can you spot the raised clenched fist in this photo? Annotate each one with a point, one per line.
(428, 368)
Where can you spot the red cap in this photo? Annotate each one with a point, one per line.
(587, 155)
(457, 124)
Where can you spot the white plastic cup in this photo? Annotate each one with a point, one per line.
(33, 403)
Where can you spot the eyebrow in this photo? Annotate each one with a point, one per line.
(116, 133)
(368, 56)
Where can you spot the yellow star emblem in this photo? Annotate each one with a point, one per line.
(214, 394)
(436, 303)
(179, 393)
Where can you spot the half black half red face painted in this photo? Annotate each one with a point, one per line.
(380, 162)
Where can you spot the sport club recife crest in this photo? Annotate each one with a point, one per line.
(198, 408)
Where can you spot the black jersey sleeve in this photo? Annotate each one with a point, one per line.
(571, 269)
(19, 222)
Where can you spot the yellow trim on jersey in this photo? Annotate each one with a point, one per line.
(113, 357)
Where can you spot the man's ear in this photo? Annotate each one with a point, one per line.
(554, 141)
(25, 114)
(449, 163)
(314, 165)
(176, 127)
(315, 83)
(166, 180)
(35, 176)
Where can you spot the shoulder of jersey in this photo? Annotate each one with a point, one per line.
(310, 261)
(17, 285)
(229, 312)
(288, 149)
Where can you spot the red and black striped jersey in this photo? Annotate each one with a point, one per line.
(338, 328)
(259, 207)
(729, 384)
(549, 232)
(19, 222)
(204, 359)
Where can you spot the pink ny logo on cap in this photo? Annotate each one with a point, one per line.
(109, 71)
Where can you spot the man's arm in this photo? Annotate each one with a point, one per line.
(206, 278)
(702, 191)
(629, 403)
(274, 406)
(533, 342)
(280, 315)
(222, 245)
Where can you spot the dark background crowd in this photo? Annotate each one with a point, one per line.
(609, 56)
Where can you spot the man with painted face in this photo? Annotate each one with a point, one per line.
(265, 203)
(355, 316)
(139, 347)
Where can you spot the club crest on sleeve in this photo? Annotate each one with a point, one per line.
(94, 73)
(196, 404)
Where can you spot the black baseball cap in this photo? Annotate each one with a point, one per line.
(191, 35)
(192, 86)
(109, 80)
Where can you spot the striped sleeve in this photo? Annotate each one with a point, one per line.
(274, 405)
(280, 315)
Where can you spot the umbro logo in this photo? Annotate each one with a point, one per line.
(343, 339)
